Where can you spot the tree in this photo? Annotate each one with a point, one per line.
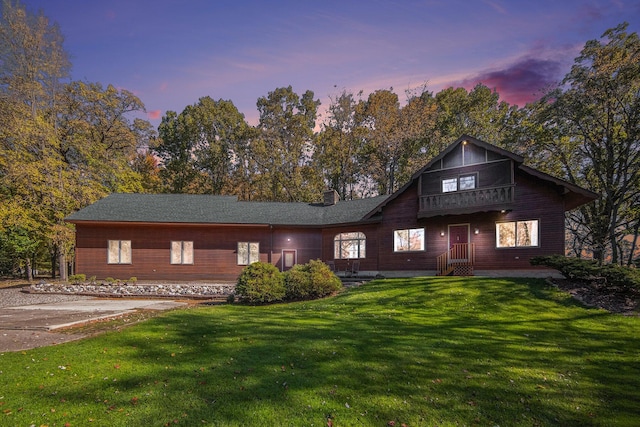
(63, 145)
(33, 62)
(593, 124)
(478, 112)
(337, 148)
(283, 148)
(198, 147)
(393, 136)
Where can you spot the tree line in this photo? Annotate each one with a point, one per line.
(65, 144)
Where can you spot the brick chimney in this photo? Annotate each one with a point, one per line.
(331, 197)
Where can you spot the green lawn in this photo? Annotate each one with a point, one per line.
(424, 351)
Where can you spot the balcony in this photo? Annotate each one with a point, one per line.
(467, 201)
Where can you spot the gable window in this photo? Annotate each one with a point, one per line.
(516, 234)
(463, 182)
(119, 252)
(349, 245)
(248, 252)
(467, 182)
(449, 185)
(181, 252)
(408, 240)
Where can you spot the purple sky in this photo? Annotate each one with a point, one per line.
(172, 52)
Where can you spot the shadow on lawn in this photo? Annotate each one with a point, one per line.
(419, 351)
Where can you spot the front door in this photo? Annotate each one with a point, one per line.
(458, 239)
(288, 259)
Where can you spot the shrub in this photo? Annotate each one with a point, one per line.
(297, 282)
(133, 280)
(260, 283)
(312, 280)
(584, 269)
(77, 278)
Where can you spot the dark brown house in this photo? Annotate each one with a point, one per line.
(474, 209)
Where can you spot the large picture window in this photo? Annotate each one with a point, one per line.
(248, 252)
(119, 252)
(349, 245)
(181, 252)
(408, 240)
(515, 234)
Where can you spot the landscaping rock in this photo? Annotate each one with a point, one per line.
(173, 290)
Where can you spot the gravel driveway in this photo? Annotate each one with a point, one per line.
(13, 297)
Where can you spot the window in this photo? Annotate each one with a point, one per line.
(517, 234)
(248, 252)
(349, 245)
(119, 252)
(463, 182)
(467, 182)
(449, 185)
(181, 252)
(408, 240)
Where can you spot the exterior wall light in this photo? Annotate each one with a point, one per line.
(442, 233)
(476, 231)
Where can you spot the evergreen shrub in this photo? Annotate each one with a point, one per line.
(312, 280)
(260, 283)
(585, 269)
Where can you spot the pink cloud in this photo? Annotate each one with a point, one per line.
(520, 82)
(154, 115)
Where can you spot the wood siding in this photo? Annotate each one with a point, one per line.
(215, 249)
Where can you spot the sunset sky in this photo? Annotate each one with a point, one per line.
(172, 52)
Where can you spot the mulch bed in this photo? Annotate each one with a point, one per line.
(615, 299)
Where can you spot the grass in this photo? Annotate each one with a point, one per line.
(424, 351)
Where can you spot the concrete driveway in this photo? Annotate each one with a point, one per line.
(28, 326)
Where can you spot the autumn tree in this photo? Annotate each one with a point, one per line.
(63, 145)
(592, 127)
(393, 136)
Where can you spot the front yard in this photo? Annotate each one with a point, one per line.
(424, 351)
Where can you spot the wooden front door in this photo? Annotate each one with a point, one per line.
(458, 242)
(288, 259)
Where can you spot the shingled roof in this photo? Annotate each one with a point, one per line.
(208, 209)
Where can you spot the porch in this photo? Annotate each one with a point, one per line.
(457, 261)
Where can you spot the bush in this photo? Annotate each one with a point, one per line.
(312, 280)
(77, 278)
(584, 269)
(260, 283)
(297, 282)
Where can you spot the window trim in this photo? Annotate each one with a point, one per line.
(515, 243)
(120, 252)
(361, 245)
(423, 242)
(183, 259)
(249, 260)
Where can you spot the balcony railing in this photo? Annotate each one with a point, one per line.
(466, 201)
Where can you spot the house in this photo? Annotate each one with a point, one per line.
(474, 209)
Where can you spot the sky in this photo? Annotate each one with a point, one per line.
(170, 53)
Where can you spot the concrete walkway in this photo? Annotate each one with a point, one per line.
(34, 325)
